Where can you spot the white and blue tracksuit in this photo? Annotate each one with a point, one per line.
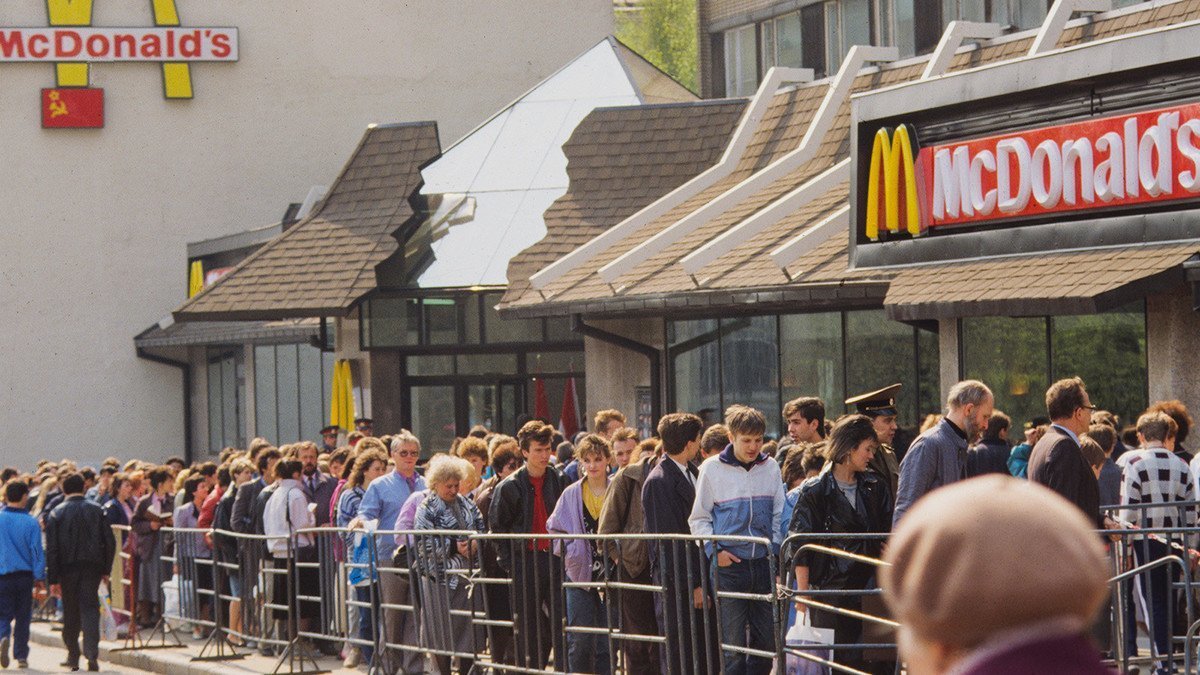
(734, 500)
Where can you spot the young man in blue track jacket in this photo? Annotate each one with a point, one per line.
(739, 492)
(22, 563)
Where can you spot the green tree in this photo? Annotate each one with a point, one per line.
(664, 33)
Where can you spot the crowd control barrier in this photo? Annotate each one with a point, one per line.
(460, 601)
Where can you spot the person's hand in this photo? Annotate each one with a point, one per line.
(56, 590)
(801, 608)
(725, 559)
(355, 524)
(698, 597)
(154, 525)
(1030, 435)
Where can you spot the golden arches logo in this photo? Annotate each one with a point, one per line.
(893, 161)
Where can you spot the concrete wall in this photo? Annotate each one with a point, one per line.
(1173, 348)
(613, 372)
(95, 221)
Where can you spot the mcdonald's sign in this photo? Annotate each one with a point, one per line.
(895, 184)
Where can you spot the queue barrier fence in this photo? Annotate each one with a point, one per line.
(521, 603)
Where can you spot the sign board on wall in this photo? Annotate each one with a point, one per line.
(72, 44)
(1142, 158)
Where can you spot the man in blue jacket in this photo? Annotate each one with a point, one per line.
(22, 565)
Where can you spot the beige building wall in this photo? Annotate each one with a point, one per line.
(614, 372)
(95, 221)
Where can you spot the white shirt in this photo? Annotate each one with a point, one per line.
(288, 501)
(685, 469)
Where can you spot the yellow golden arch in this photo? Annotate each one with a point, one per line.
(177, 77)
(892, 155)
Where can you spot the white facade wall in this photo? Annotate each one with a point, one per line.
(94, 222)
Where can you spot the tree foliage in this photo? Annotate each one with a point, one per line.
(664, 33)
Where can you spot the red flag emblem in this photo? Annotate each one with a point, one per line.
(72, 108)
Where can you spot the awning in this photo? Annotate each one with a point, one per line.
(200, 333)
(1070, 282)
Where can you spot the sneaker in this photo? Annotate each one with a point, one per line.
(352, 658)
(4, 653)
(22, 663)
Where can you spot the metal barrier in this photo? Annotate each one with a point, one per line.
(845, 597)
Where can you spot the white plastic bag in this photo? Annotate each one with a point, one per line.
(170, 608)
(108, 623)
(803, 637)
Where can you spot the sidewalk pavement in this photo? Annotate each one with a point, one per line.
(178, 660)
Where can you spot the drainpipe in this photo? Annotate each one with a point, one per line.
(185, 369)
(623, 342)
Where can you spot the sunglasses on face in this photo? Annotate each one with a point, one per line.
(406, 453)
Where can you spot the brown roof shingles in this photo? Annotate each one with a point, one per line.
(780, 131)
(326, 262)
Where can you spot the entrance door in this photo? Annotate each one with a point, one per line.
(439, 412)
(492, 405)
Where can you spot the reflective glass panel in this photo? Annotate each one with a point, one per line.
(1009, 355)
(433, 418)
(554, 362)
(1108, 351)
(508, 330)
(431, 365)
(787, 41)
(856, 23)
(265, 420)
(487, 364)
(441, 321)
(880, 352)
(287, 389)
(696, 368)
(811, 353)
(750, 366)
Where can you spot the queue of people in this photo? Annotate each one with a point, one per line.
(731, 509)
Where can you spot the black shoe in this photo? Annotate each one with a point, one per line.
(93, 667)
(4, 653)
(70, 665)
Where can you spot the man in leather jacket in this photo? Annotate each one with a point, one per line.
(79, 552)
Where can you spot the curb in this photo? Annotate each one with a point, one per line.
(168, 661)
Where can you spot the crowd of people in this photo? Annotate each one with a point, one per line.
(731, 510)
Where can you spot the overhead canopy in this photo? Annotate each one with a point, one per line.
(325, 263)
(1074, 282)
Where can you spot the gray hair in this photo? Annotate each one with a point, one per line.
(443, 468)
(967, 392)
(405, 437)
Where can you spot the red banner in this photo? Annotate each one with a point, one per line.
(72, 108)
(1145, 157)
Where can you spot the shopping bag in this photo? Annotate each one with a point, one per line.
(108, 622)
(170, 608)
(803, 637)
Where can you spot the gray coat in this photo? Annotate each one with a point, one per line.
(938, 457)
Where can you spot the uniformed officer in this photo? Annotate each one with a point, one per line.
(329, 438)
(880, 406)
(365, 426)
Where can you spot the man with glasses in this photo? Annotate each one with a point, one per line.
(381, 503)
(1056, 460)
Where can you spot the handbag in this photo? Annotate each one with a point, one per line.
(803, 638)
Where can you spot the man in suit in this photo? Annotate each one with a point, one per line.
(667, 497)
(1056, 460)
(242, 519)
(318, 487)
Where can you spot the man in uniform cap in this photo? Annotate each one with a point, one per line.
(365, 426)
(329, 436)
(880, 406)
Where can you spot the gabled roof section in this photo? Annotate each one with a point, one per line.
(326, 263)
(492, 186)
(619, 160)
(747, 269)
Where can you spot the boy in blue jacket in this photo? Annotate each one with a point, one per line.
(739, 492)
(22, 562)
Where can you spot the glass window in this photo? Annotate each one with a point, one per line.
(750, 366)
(554, 390)
(929, 398)
(488, 364)
(811, 353)
(433, 418)
(788, 50)
(558, 329)
(812, 29)
(226, 407)
(391, 322)
(287, 389)
(741, 61)
(1031, 13)
(1010, 356)
(266, 423)
(472, 332)
(441, 364)
(855, 23)
(882, 24)
(311, 386)
(880, 352)
(554, 362)
(905, 35)
(441, 321)
(767, 37)
(1108, 351)
(507, 330)
(696, 368)
(833, 38)
(216, 428)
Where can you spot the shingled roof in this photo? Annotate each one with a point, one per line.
(746, 272)
(325, 263)
(618, 161)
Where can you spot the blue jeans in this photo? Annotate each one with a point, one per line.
(586, 653)
(16, 607)
(746, 623)
(365, 632)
